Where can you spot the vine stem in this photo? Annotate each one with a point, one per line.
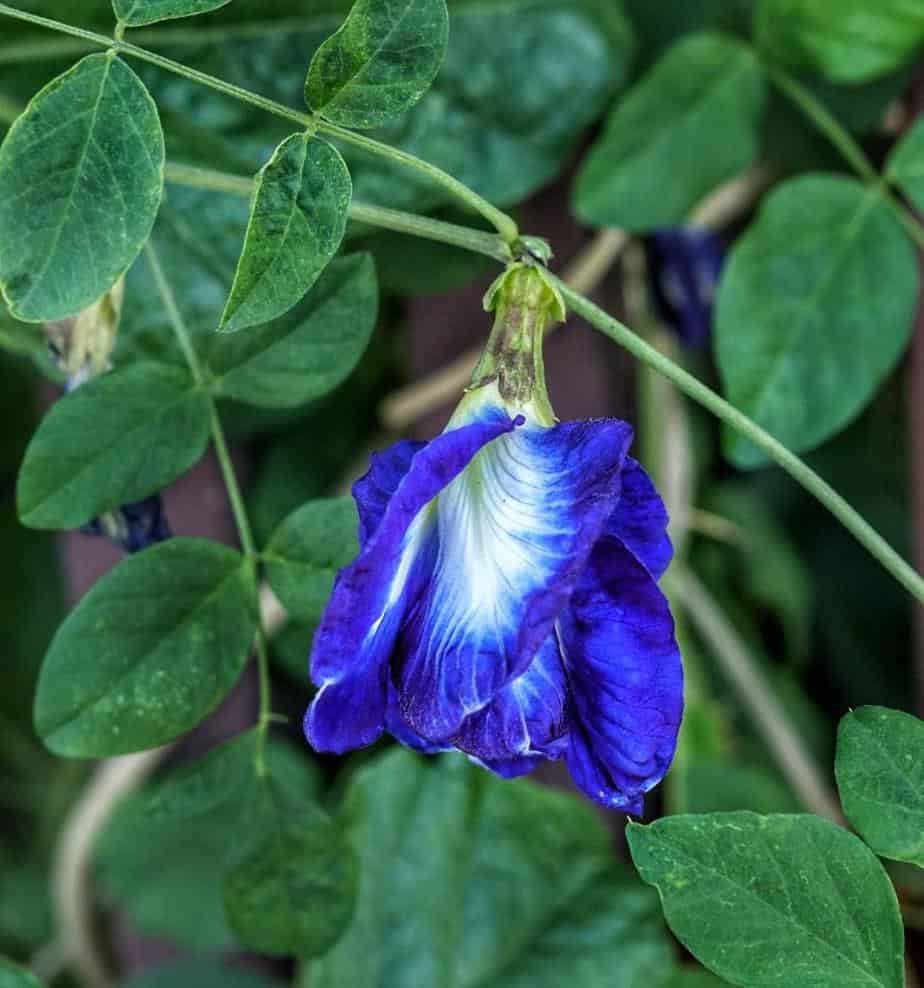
(845, 143)
(233, 489)
(477, 241)
(800, 471)
(504, 224)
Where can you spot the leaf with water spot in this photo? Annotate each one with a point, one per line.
(151, 650)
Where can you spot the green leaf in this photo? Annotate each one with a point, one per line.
(149, 651)
(291, 884)
(686, 127)
(163, 856)
(115, 440)
(845, 40)
(905, 167)
(79, 190)
(813, 311)
(469, 880)
(311, 349)
(774, 900)
(307, 550)
(381, 61)
(135, 13)
(509, 78)
(297, 220)
(28, 340)
(880, 777)
(199, 974)
(14, 976)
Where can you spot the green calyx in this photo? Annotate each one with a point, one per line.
(525, 302)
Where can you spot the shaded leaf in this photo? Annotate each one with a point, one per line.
(163, 855)
(154, 646)
(307, 550)
(686, 127)
(28, 340)
(380, 62)
(297, 220)
(311, 349)
(880, 777)
(469, 880)
(79, 190)
(774, 900)
(291, 882)
(814, 309)
(199, 974)
(115, 440)
(14, 976)
(135, 13)
(845, 40)
(905, 167)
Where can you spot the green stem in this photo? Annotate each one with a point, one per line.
(845, 143)
(412, 224)
(504, 224)
(233, 489)
(800, 471)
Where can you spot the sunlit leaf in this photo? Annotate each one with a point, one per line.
(774, 901)
(380, 62)
(135, 13)
(297, 220)
(79, 190)
(880, 777)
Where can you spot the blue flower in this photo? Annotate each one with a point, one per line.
(504, 601)
(685, 265)
(133, 526)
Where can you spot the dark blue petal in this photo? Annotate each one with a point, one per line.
(355, 639)
(640, 520)
(526, 717)
(133, 526)
(625, 678)
(514, 533)
(511, 768)
(374, 489)
(399, 730)
(686, 265)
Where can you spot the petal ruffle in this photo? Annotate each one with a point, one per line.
(625, 678)
(526, 717)
(513, 534)
(640, 520)
(375, 488)
(355, 639)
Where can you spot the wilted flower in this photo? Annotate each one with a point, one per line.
(685, 265)
(504, 601)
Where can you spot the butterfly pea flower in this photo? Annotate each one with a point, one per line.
(685, 265)
(504, 601)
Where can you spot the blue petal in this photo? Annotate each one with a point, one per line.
(399, 730)
(355, 639)
(375, 488)
(625, 678)
(513, 534)
(640, 520)
(526, 717)
(511, 768)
